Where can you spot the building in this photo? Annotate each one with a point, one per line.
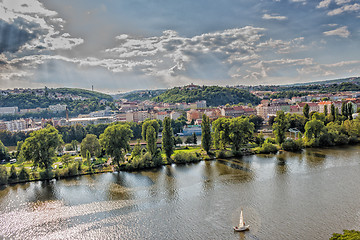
(237, 111)
(191, 129)
(175, 115)
(9, 110)
(266, 110)
(87, 121)
(162, 115)
(57, 108)
(201, 104)
(16, 125)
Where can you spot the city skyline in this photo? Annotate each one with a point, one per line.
(123, 46)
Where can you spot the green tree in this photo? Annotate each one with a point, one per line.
(189, 140)
(347, 235)
(41, 146)
(74, 144)
(332, 113)
(3, 175)
(257, 121)
(177, 140)
(325, 110)
(4, 154)
(221, 124)
(65, 159)
(194, 137)
(306, 111)
(313, 129)
(23, 174)
(344, 110)
(151, 137)
(350, 110)
(137, 150)
(18, 148)
(280, 127)
(167, 138)
(241, 130)
(90, 143)
(155, 124)
(206, 133)
(115, 141)
(88, 160)
(13, 174)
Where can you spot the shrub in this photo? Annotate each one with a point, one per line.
(292, 146)
(13, 174)
(267, 148)
(3, 175)
(270, 140)
(46, 175)
(24, 174)
(185, 157)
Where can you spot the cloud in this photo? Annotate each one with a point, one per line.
(341, 32)
(341, 2)
(26, 25)
(273, 17)
(346, 8)
(324, 4)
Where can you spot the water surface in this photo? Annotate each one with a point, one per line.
(284, 196)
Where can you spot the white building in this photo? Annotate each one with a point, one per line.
(175, 115)
(16, 125)
(8, 110)
(57, 108)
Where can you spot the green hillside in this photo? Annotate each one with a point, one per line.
(214, 95)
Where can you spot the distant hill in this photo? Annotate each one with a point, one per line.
(81, 93)
(355, 80)
(33, 98)
(139, 95)
(214, 95)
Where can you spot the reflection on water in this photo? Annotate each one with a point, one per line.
(281, 195)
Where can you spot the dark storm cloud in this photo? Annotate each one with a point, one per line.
(13, 36)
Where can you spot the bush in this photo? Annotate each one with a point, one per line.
(185, 157)
(270, 140)
(24, 174)
(46, 175)
(73, 169)
(13, 174)
(267, 148)
(3, 175)
(292, 146)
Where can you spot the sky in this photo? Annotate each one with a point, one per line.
(118, 45)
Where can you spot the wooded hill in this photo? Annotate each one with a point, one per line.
(214, 95)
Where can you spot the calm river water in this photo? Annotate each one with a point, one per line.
(283, 196)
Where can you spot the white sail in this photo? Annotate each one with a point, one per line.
(241, 224)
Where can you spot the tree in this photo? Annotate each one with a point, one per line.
(13, 174)
(344, 110)
(325, 110)
(350, 110)
(306, 111)
(332, 112)
(18, 147)
(3, 175)
(347, 235)
(151, 137)
(189, 140)
(65, 159)
(88, 160)
(194, 137)
(148, 123)
(221, 124)
(167, 138)
(40, 147)
(23, 174)
(313, 129)
(257, 121)
(90, 143)
(4, 154)
(115, 141)
(241, 130)
(280, 127)
(137, 150)
(74, 144)
(177, 140)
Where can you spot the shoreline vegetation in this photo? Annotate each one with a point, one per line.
(44, 155)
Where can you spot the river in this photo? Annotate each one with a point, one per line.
(305, 195)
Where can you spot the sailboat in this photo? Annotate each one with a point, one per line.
(242, 226)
